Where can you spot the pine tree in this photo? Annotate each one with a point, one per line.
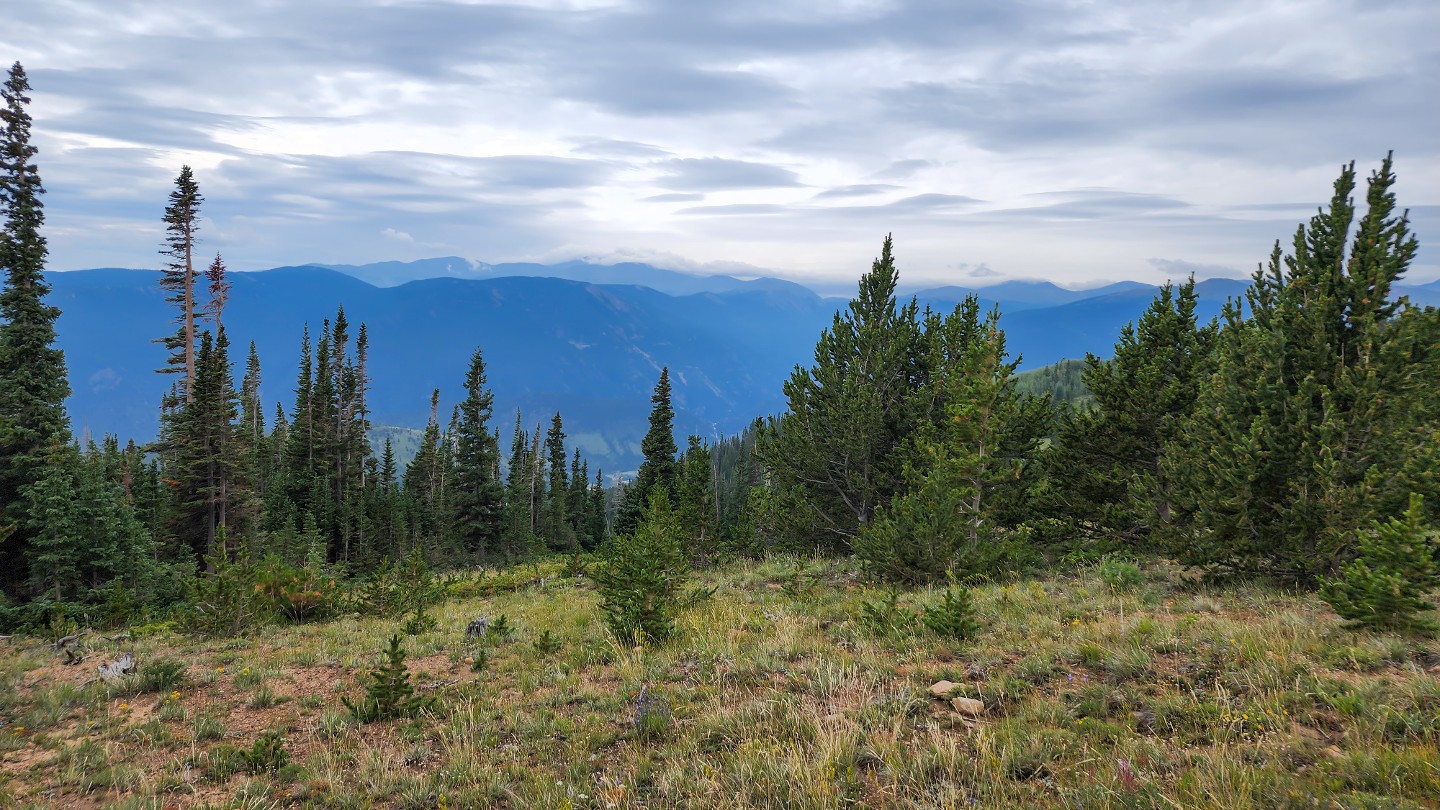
(968, 471)
(1386, 586)
(657, 471)
(478, 494)
(425, 484)
(33, 382)
(642, 574)
(182, 224)
(832, 455)
(1322, 400)
(1105, 463)
(389, 693)
(219, 289)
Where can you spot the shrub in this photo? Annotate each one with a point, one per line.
(267, 755)
(160, 675)
(1385, 586)
(298, 594)
(228, 599)
(886, 616)
(953, 617)
(642, 574)
(390, 693)
(1120, 575)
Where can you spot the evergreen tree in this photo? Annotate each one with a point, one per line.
(696, 508)
(969, 470)
(210, 468)
(1106, 459)
(519, 532)
(1322, 401)
(33, 382)
(1386, 586)
(219, 289)
(658, 468)
(478, 493)
(642, 574)
(55, 549)
(425, 485)
(182, 223)
(559, 534)
(832, 455)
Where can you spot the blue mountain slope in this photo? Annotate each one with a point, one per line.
(591, 351)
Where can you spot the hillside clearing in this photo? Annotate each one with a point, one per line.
(1099, 691)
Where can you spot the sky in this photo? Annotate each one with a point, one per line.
(1075, 141)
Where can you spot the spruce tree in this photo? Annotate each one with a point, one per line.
(696, 507)
(519, 530)
(657, 470)
(478, 494)
(211, 462)
(832, 455)
(182, 224)
(558, 532)
(1322, 400)
(33, 384)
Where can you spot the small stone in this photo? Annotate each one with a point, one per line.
(970, 707)
(1334, 752)
(942, 689)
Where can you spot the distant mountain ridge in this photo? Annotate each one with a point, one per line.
(671, 282)
(592, 351)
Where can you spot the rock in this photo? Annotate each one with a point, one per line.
(1334, 752)
(970, 707)
(942, 689)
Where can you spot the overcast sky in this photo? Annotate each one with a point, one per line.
(1072, 141)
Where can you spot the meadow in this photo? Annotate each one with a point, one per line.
(793, 683)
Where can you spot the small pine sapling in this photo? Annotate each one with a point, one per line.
(390, 693)
(953, 617)
(1385, 586)
(547, 643)
(643, 572)
(887, 616)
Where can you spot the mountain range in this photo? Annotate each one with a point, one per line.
(552, 339)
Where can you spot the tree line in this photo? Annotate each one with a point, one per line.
(1272, 441)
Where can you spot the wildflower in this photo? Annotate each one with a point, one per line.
(19, 729)
(220, 670)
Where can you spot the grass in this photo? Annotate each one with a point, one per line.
(1102, 689)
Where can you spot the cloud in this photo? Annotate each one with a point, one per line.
(399, 236)
(607, 147)
(860, 190)
(677, 196)
(1177, 269)
(505, 129)
(717, 174)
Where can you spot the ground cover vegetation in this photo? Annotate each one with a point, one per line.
(1198, 573)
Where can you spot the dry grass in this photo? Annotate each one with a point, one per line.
(1160, 693)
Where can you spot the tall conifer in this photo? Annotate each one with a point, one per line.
(33, 382)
